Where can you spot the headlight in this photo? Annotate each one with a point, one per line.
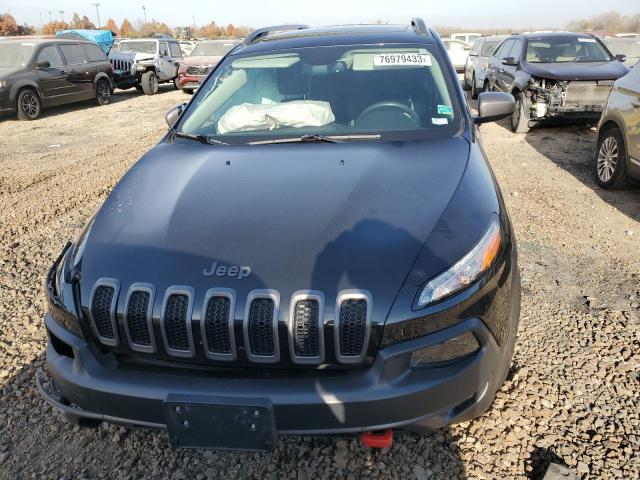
(57, 291)
(466, 270)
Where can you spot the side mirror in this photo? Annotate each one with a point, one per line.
(173, 115)
(43, 65)
(494, 106)
(621, 58)
(510, 62)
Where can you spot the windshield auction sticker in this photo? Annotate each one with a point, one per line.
(402, 59)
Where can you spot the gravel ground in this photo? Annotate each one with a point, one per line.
(573, 393)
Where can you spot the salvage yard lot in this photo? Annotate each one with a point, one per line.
(573, 394)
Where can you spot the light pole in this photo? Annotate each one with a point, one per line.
(61, 12)
(97, 12)
(50, 17)
(144, 9)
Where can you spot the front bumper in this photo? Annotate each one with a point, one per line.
(190, 81)
(387, 395)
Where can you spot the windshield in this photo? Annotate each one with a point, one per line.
(338, 91)
(138, 47)
(15, 54)
(217, 49)
(488, 47)
(565, 48)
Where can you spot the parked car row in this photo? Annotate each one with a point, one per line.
(38, 73)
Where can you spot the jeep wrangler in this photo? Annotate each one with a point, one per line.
(145, 63)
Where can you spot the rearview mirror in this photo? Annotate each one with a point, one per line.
(43, 65)
(494, 106)
(173, 115)
(510, 62)
(621, 58)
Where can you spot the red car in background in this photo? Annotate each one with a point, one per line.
(206, 55)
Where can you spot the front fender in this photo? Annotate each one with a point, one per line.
(101, 76)
(20, 84)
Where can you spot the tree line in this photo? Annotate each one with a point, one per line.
(127, 29)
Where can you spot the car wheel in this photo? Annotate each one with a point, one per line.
(149, 82)
(188, 91)
(103, 92)
(29, 105)
(519, 119)
(611, 160)
(474, 89)
(176, 83)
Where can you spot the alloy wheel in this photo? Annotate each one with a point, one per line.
(104, 93)
(607, 159)
(29, 105)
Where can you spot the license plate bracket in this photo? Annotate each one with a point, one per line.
(220, 423)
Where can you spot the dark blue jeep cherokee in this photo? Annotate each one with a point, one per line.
(317, 246)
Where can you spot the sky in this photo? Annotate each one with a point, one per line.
(258, 13)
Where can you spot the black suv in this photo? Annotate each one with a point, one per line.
(553, 76)
(37, 74)
(317, 245)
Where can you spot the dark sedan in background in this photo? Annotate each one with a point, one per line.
(555, 75)
(206, 55)
(41, 73)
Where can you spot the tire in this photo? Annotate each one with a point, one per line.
(28, 105)
(149, 83)
(103, 92)
(474, 89)
(176, 83)
(188, 91)
(611, 160)
(138, 87)
(519, 119)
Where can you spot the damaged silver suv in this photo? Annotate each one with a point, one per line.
(554, 75)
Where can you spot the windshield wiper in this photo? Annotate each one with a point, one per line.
(200, 138)
(314, 137)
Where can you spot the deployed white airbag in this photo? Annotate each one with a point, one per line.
(299, 113)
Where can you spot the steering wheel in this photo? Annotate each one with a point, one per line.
(404, 109)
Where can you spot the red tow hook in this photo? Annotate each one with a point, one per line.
(377, 439)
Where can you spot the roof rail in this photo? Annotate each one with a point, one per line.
(261, 32)
(419, 26)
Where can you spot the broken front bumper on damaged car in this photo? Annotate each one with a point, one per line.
(557, 99)
(471, 334)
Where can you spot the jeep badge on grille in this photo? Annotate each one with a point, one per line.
(221, 270)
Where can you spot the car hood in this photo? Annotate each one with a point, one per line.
(325, 217)
(201, 60)
(131, 56)
(577, 71)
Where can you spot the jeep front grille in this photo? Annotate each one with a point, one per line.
(103, 310)
(121, 65)
(217, 336)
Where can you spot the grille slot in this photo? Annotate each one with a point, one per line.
(176, 321)
(217, 324)
(103, 310)
(261, 326)
(353, 324)
(138, 317)
(306, 327)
